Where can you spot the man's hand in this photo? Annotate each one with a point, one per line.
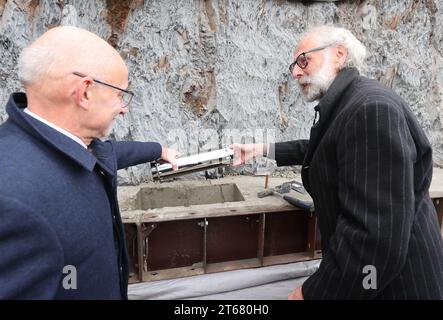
(170, 155)
(245, 152)
(296, 294)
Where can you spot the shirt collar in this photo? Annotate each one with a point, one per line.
(53, 126)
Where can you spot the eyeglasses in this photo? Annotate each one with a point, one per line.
(302, 61)
(126, 96)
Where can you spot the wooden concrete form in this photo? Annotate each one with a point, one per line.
(242, 232)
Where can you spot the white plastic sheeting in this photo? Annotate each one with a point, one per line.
(265, 283)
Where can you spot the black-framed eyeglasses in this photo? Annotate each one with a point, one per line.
(126, 96)
(302, 61)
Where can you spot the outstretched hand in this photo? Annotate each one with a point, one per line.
(245, 152)
(170, 155)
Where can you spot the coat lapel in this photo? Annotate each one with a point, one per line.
(46, 134)
(327, 107)
(105, 156)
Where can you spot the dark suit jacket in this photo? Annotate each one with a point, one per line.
(368, 167)
(58, 207)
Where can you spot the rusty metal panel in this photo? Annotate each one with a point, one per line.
(175, 244)
(232, 238)
(286, 233)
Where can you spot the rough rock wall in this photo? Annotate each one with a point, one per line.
(206, 73)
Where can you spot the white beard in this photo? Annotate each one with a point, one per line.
(318, 83)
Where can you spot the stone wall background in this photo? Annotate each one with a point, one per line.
(206, 73)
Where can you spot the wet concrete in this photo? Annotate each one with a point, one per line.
(151, 197)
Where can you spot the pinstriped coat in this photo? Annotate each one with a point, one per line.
(368, 167)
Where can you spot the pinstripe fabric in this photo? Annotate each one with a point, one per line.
(368, 167)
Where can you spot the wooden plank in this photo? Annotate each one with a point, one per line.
(312, 233)
(205, 241)
(173, 273)
(289, 258)
(140, 252)
(261, 237)
(200, 211)
(232, 265)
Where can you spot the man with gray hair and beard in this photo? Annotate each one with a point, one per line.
(368, 167)
(61, 234)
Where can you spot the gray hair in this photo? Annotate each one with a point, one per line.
(37, 62)
(335, 35)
